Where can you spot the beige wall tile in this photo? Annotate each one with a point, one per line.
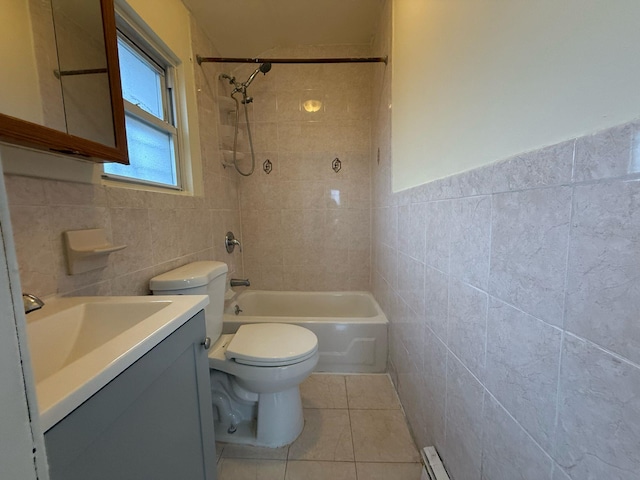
(131, 227)
(24, 190)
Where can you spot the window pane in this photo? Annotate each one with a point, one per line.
(150, 153)
(141, 83)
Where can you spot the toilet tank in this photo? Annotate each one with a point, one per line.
(197, 278)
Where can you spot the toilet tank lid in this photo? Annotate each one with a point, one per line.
(194, 274)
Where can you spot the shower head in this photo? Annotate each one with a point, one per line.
(264, 68)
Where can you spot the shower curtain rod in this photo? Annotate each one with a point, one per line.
(202, 60)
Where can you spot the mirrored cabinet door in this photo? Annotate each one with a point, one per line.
(60, 88)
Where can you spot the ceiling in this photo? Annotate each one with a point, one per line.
(247, 28)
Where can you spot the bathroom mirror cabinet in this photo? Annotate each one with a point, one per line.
(60, 84)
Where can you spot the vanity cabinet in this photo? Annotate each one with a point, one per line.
(153, 421)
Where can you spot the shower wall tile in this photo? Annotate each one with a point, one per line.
(603, 288)
(303, 147)
(465, 398)
(471, 240)
(467, 326)
(387, 260)
(434, 396)
(265, 194)
(411, 230)
(605, 154)
(550, 166)
(529, 240)
(467, 184)
(559, 474)
(508, 452)
(604, 389)
(404, 225)
(411, 282)
(523, 354)
(436, 303)
(437, 227)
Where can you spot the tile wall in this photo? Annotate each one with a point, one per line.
(162, 231)
(513, 301)
(304, 226)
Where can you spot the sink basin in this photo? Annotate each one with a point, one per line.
(70, 334)
(77, 345)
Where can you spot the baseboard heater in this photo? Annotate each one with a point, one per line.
(433, 467)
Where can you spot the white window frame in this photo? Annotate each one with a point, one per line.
(146, 43)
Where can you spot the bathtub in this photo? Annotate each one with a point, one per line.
(350, 326)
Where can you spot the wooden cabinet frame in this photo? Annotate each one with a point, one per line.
(17, 131)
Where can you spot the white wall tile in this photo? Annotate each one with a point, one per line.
(599, 416)
(523, 354)
(603, 287)
(508, 452)
(529, 240)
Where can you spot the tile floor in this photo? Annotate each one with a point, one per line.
(354, 430)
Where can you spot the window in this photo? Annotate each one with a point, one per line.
(152, 134)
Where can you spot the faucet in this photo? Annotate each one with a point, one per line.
(239, 282)
(31, 302)
(230, 242)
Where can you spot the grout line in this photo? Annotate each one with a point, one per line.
(554, 443)
(353, 447)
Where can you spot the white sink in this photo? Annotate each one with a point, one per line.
(77, 345)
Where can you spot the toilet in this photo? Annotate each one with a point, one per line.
(256, 372)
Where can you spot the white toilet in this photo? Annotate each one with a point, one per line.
(256, 372)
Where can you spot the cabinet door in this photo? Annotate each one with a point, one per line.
(154, 421)
(61, 90)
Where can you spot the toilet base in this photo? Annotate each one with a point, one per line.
(280, 418)
(280, 421)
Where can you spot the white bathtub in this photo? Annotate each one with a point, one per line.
(350, 326)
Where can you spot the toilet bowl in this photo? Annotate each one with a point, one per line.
(256, 372)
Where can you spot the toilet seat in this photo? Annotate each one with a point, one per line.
(271, 345)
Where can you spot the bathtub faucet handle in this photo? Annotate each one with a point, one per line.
(230, 242)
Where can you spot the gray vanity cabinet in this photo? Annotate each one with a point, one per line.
(152, 422)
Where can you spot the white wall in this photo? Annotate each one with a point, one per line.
(478, 81)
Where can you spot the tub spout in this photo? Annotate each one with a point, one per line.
(239, 282)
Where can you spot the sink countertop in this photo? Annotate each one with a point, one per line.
(75, 350)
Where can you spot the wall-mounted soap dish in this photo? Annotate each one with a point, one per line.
(88, 250)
